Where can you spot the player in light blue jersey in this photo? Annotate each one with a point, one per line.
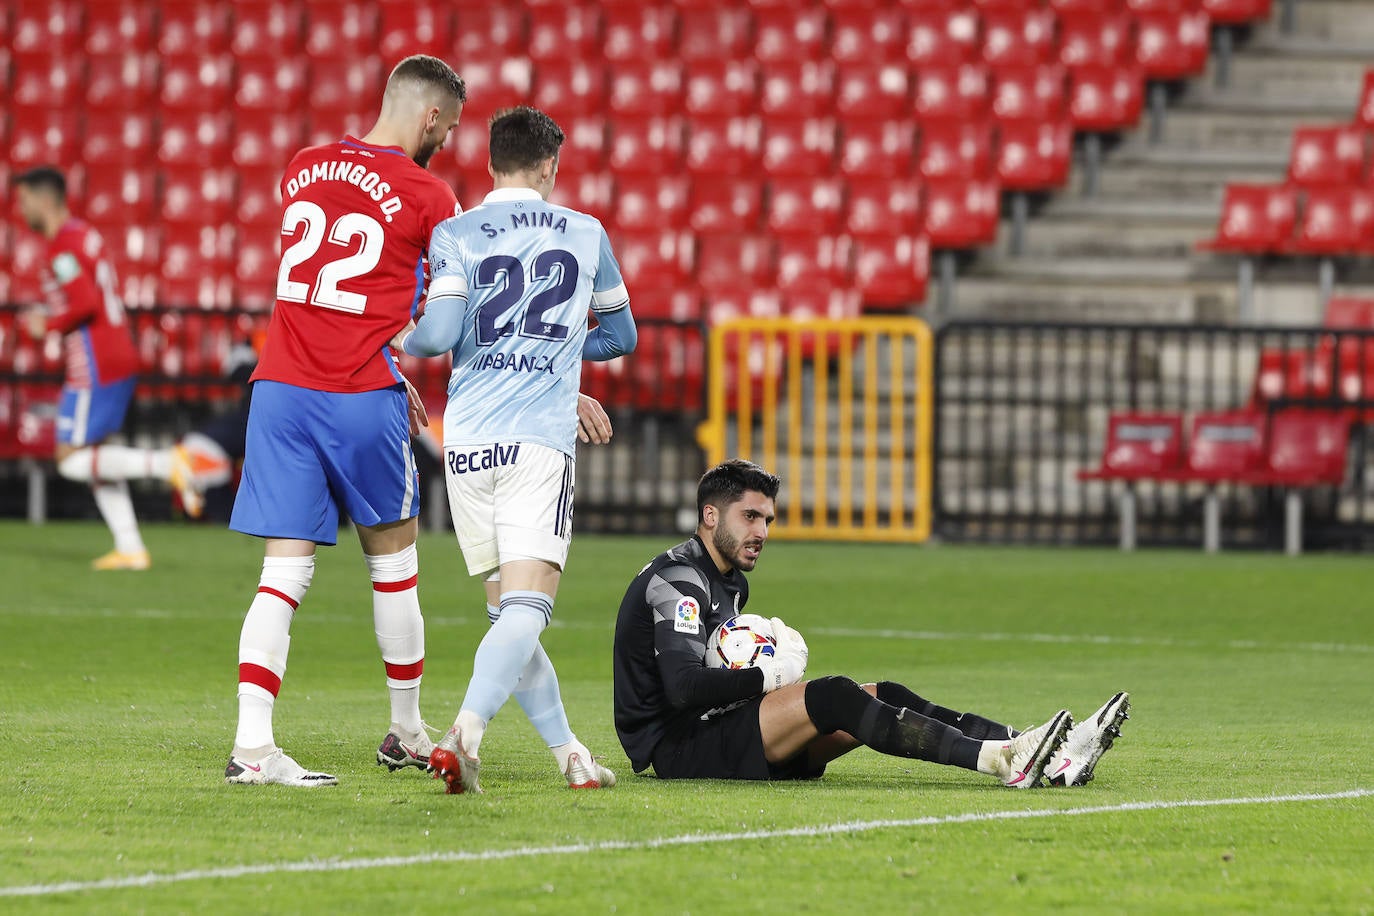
(511, 283)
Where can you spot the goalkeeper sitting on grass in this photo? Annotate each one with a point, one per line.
(690, 721)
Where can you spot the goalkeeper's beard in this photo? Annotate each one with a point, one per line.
(730, 547)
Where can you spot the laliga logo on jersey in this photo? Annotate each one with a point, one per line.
(688, 617)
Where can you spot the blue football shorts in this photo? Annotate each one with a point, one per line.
(311, 452)
(85, 416)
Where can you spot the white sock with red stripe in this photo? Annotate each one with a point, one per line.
(400, 633)
(117, 508)
(116, 462)
(263, 646)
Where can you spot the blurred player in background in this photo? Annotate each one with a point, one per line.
(100, 366)
(513, 280)
(690, 721)
(329, 424)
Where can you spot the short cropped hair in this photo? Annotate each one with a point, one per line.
(726, 483)
(521, 138)
(430, 72)
(43, 178)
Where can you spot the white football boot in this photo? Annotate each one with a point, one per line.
(274, 769)
(587, 774)
(1072, 764)
(1030, 751)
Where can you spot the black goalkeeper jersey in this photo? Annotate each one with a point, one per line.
(667, 614)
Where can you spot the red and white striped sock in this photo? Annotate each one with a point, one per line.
(264, 643)
(400, 632)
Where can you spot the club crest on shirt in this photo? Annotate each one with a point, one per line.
(688, 617)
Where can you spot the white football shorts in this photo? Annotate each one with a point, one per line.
(510, 501)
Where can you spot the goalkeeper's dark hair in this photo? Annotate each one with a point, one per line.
(521, 138)
(727, 482)
(43, 178)
(431, 73)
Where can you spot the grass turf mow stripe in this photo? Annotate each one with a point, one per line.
(695, 839)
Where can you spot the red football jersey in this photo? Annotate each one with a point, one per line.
(356, 221)
(84, 306)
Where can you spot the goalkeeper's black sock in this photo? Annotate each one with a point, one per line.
(839, 704)
(972, 725)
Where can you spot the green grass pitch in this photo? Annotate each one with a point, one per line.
(1251, 679)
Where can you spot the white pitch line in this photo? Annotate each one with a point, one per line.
(153, 879)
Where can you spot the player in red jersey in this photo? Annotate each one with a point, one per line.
(101, 362)
(330, 420)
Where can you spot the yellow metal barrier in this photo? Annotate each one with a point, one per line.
(784, 393)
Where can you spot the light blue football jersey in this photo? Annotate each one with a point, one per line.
(528, 271)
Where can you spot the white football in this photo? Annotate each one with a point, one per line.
(740, 642)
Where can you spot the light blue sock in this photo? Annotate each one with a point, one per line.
(538, 696)
(505, 651)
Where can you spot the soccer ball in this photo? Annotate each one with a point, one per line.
(740, 642)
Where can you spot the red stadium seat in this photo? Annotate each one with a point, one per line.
(635, 33)
(799, 146)
(868, 35)
(665, 304)
(267, 140)
(489, 31)
(731, 263)
(646, 87)
(791, 34)
(949, 35)
(43, 81)
(1336, 221)
(270, 84)
(893, 271)
(51, 27)
(505, 80)
(800, 88)
(956, 150)
(565, 32)
(410, 27)
(194, 138)
(726, 146)
(259, 205)
(1106, 99)
(188, 278)
(879, 205)
(119, 27)
(1172, 46)
(1083, 8)
(646, 146)
(723, 87)
(1019, 38)
(268, 28)
(647, 202)
(836, 303)
(194, 28)
(1306, 447)
(961, 213)
(655, 260)
(121, 82)
(345, 87)
(1034, 157)
(45, 137)
(1159, 6)
(824, 262)
(1326, 156)
(873, 91)
(1350, 312)
(952, 94)
(1088, 40)
(1236, 12)
(1031, 94)
(340, 31)
(567, 89)
(805, 206)
(1139, 446)
(1364, 111)
(707, 36)
(591, 192)
(1255, 219)
(120, 196)
(884, 148)
(585, 146)
(1287, 373)
(1226, 445)
(255, 272)
(199, 83)
(725, 205)
(194, 196)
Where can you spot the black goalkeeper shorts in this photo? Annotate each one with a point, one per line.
(725, 746)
